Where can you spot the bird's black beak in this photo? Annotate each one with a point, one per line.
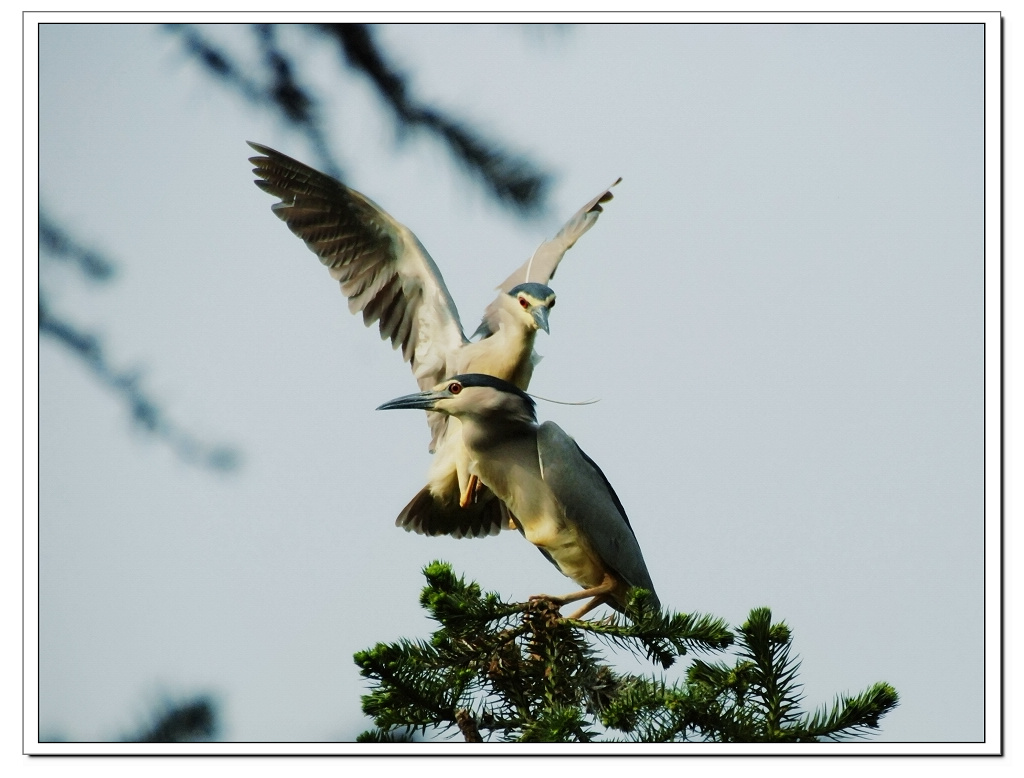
(421, 401)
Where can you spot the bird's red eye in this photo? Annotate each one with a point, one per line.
(524, 302)
(454, 387)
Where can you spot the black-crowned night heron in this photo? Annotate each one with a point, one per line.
(558, 497)
(387, 275)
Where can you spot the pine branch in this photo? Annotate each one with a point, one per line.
(852, 716)
(467, 726)
(376, 736)
(522, 672)
(772, 674)
(558, 724)
(664, 636)
(416, 688)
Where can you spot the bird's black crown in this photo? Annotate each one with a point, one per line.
(482, 379)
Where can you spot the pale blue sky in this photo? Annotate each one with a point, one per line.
(781, 312)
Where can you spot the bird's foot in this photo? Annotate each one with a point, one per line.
(550, 598)
(598, 595)
(558, 602)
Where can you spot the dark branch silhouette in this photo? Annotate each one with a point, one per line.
(60, 245)
(189, 721)
(56, 243)
(278, 92)
(511, 178)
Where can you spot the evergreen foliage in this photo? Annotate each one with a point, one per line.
(499, 671)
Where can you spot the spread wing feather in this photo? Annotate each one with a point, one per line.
(382, 268)
(426, 515)
(540, 268)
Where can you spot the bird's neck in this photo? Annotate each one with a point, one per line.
(504, 457)
(512, 327)
(508, 352)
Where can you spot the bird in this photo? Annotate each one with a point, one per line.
(388, 276)
(555, 494)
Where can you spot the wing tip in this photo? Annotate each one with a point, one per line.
(606, 197)
(266, 152)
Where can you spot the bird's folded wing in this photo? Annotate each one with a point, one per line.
(591, 504)
(540, 268)
(382, 268)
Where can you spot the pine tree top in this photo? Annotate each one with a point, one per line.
(509, 671)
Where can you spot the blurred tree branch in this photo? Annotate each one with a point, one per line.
(61, 246)
(511, 178)
(278, 92)
(55, 243)
(188, 721)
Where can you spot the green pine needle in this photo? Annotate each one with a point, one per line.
(501, 671)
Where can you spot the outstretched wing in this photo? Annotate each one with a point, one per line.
(540, 268)
(382, 268)
(591, 504)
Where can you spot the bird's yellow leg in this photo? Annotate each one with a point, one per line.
(469, 493)
(595, 602)
(599, 593)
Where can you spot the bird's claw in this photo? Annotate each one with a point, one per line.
(556, 601)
